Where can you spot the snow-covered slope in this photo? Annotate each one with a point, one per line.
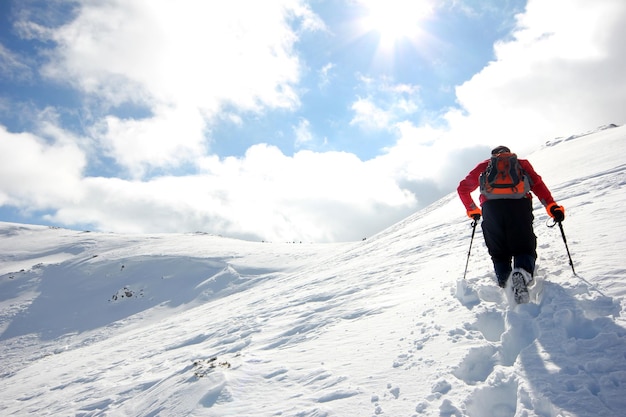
(95, 324)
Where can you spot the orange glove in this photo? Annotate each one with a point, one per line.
(474, 213)
(556, 212)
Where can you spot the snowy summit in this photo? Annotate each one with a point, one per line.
(97, 324)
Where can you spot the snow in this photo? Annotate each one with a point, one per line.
(97, 324)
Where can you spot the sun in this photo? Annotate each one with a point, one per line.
(395, 20)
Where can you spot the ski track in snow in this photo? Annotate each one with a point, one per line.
(95, 324)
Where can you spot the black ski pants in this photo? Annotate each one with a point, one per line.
(508, 231)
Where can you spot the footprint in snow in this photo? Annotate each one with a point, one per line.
(497, 399)
(477, 365)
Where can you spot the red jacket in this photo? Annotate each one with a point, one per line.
(471, 182)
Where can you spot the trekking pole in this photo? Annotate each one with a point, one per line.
(474, 223)
(571, 263)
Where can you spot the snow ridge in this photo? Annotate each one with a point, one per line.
(580, 135)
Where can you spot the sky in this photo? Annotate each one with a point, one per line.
(286, 120)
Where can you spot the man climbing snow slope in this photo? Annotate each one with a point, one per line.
(505, 184)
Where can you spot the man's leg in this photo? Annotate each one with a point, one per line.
(503, 270)
(522, 239)
(525, 262)
(494, 232)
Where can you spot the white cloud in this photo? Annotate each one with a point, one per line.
(12, 66)
(199, 53)
(555, 76)
(325, 75)
(265, 195)
(303, 133)
(387, 103)
(369, 115)
(168, 138)
(178, 60)
(36, 174)
(309, 21)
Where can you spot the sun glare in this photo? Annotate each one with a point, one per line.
(394, 20)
